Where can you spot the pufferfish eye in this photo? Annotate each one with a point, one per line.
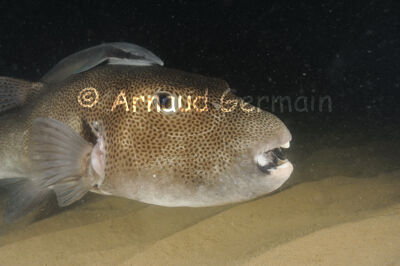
(166, 101)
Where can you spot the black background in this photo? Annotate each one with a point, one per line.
(346, 49)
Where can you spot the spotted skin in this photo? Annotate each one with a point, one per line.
(172, 159)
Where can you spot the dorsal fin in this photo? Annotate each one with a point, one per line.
(16, 92)
(116, 53)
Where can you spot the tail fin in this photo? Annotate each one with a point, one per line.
(15, 92)
(24, 197)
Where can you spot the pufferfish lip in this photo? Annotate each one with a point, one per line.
(272, 159)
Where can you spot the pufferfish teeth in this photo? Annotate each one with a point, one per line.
(284, 165)
(286, 145)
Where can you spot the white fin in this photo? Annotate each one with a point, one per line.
(116, 53)
(15, 92)
(61, 160)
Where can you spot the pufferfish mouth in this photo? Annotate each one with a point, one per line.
(272, 159)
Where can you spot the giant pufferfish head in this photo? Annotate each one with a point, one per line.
(194, 144)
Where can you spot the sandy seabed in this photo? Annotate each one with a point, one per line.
(341, 207)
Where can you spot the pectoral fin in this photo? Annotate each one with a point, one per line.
(62, 160)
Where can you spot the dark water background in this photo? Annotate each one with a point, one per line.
(349, 50)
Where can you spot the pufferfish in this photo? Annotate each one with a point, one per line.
(111, 119)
